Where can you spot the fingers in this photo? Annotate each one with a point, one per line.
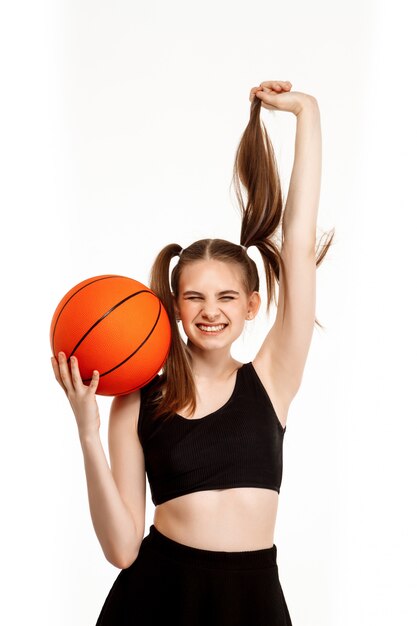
(70, 379)
(55, 367)
(94, 381)
(253, 92)
(64, 373)
(77, 379)
(277, 85)
(270, 85)
(75, 373)
(255, 89)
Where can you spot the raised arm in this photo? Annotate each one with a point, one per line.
(283, 354)
(301, 208)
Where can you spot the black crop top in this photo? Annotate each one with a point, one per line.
(239, 445)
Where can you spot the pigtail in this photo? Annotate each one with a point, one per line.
(256, 169)
(176, 382)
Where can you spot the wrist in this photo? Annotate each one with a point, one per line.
(89, 436)
(308, 105)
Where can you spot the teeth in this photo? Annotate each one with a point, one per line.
(211, 328)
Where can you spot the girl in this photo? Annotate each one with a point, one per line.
(209, 430)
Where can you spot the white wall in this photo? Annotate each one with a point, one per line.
(119, 125)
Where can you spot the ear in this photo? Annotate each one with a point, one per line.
(174, 300)
(254, 303)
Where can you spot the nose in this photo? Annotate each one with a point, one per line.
(210, 316)
(210, 312)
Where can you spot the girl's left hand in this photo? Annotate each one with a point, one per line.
(277, 95)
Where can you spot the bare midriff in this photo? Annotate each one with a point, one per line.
(231, 520)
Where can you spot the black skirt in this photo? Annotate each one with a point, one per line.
(172, 583)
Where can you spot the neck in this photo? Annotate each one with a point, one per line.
(215, 363)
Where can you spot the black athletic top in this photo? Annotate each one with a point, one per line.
(239, 445)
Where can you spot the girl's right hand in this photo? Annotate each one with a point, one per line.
(81, 397)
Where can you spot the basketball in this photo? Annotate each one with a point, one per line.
(115, 325)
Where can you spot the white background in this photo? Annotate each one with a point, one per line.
(119, 126)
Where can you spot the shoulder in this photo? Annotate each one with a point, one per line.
(126, 405)
(127, 399)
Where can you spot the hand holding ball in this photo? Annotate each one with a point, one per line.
(115, 325)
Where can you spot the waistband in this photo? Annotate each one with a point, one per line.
(242, 560)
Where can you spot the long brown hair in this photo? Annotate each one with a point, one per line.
(256, 169)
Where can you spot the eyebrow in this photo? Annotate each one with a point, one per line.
(219, 293)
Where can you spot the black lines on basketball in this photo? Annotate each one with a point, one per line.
(86, 380)
(92, 281)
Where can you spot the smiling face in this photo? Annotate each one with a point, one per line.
(211, 295)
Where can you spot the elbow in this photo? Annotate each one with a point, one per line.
(126, 559)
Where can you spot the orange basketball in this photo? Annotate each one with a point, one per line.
(115, 325)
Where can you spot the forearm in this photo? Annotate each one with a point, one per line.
(113, 523)
(301, 207)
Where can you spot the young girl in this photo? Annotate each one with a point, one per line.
(209, 430)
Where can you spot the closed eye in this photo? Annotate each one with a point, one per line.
(199, 298)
